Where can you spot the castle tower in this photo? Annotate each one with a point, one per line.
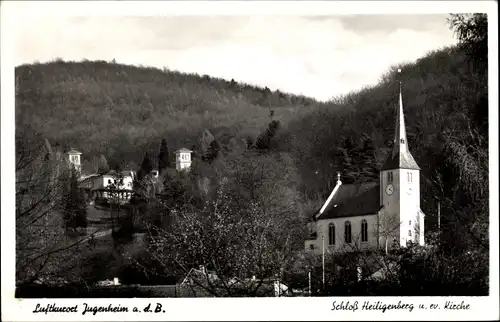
(401, 221)
(183, 159)
(74, 159)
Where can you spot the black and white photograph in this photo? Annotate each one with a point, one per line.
(344, 156)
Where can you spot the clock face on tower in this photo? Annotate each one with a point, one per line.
(389, 189)
(410, 191)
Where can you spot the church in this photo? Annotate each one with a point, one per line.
(373, 215)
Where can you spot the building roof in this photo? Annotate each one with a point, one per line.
(183, 150)
(73, 151)
(400, 157)
(122, 172)
(350, 200)
(199, 274)
(88, 178)
(400, 160)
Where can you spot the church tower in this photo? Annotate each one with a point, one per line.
(401, 220)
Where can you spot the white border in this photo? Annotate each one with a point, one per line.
(250, 308)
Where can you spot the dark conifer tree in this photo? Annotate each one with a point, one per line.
(146, 164)
(214, 152)
(103, 166)
(163, 157)
(264, 139)
(146, 167)
(75, 209)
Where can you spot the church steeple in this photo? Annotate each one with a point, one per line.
(400, 158)
(400, 131)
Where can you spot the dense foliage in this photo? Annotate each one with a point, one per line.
(257, 173)
(123, 111)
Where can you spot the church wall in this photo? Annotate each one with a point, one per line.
(340, 245)
(389, 218)
(410, 206)
(421, 236)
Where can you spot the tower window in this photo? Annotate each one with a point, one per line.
(402, 141)
(364, 230)
(347, 232)
(389, 177)
(409, 222)
(410, 177)
(331, 234)
(409, 233)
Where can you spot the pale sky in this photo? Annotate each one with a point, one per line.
(317, 56)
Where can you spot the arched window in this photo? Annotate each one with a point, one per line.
(331, 234)
(347, 232)
(364, 230)
(389, 177)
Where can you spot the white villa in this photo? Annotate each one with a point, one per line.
(96, 182)
(104, 181)
(374, 215)
(74, 159)
(183, 159)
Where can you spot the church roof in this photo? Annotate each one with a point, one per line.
(353, 200)
(400, 160)
(400, 156)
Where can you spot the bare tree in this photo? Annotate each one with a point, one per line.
(243, 239)
(41, 242)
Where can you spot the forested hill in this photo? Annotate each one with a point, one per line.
(122, 111)
(445, 98)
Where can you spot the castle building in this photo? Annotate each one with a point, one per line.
(74, 159)
(183, 159)
(374, 215)
(98, 184)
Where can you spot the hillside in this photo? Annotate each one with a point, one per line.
(274, 184)
(445, 99)
(441, 95)
(123, 111)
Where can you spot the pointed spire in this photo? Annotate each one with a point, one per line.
(400, 157)
(400, 142)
